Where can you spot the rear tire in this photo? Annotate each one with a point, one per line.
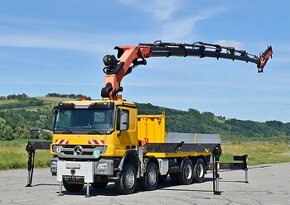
(128, 180)
(198, 171)
(150, 181)
(99, 185)
(72, 187)
(186, 174)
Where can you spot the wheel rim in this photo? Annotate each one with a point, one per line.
(152, 176)
(200, 170)
(188, 171)
(130, 179)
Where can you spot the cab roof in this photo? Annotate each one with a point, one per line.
(92, 102)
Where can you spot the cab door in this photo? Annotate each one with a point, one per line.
(127, 126)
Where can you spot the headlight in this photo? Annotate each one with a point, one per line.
(57, 149)
(96, 154)
(103, 165)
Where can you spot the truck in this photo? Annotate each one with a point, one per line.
(100, 141)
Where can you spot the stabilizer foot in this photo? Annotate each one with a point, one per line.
(217, 193)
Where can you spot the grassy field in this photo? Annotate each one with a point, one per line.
(4, 102)
(14, 156)
(54, 100)
(258, 152)
(47, 101)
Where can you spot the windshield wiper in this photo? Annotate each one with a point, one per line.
(94, 132)
(66, 132)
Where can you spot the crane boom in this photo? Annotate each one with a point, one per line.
(129, 57)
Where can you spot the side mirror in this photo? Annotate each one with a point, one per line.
(53, 111)
(123, 120)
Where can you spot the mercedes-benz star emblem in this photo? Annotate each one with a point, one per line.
(78, 150)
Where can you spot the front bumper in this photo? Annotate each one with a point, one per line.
(85, 171)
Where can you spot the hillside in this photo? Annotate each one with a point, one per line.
(206, 122)
(18, 113)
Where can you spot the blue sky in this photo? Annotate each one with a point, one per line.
(58, 45)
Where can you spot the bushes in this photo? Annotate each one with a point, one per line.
(16, 123)
(73, 96)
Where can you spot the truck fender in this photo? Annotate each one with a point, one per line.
(152, 159)
(130, 156)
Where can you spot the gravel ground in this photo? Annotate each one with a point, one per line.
(269, 184)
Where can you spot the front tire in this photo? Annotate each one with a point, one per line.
(150, 181)
(128, 180)
(72, 187)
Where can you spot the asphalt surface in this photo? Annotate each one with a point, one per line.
(268, 184)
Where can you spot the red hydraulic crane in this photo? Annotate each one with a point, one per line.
(129, 57)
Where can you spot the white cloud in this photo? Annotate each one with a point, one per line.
(61, 84)
(183, 28)
(56, 40)
(173, 27)
(161, 10)
(33, 33)
(231, 43)
(24, 22)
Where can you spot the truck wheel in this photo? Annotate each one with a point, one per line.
(72, 187)
(186, 174)
(150, 181)
(198, 171)
(128, 180)
(99, 185)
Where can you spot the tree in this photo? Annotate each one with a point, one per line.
(8, 133)
(21, 133)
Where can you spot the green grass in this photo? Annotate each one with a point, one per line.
(14, 156)
(258, 152)
(218, 120)
(4, 102)
(54, 100)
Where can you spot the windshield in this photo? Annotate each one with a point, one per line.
(90, 121)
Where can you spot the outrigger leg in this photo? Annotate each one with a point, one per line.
(215, 172)
(88, 190)
(30, 163)
(31, 147)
